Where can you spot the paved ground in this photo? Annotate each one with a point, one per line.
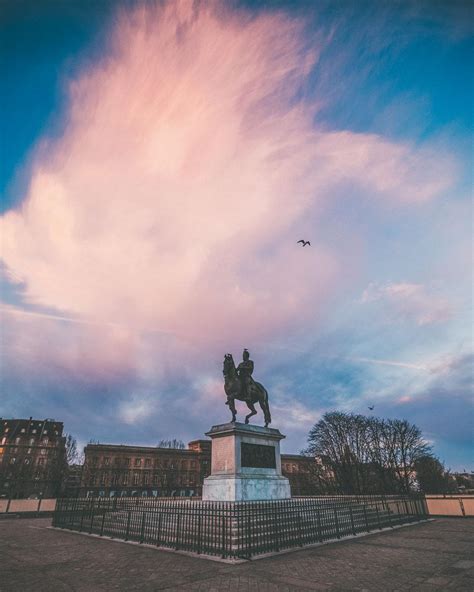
(434, 556)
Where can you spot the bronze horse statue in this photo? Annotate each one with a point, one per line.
(233, 389)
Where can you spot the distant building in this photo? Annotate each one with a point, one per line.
(119, 470)
(32, 457)
(122, 470)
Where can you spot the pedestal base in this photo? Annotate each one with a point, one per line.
(245, 465)
(233, 488)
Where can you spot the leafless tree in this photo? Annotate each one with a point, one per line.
(367, 454)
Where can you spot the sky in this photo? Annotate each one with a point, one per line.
(159, 163)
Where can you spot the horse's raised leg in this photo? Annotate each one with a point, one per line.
(253, 411)
(233, 410)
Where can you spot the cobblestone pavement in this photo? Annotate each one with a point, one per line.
(434, 556)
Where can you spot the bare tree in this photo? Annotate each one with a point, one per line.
(72, 454)
(367, 454)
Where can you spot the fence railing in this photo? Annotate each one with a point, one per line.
(236, 529)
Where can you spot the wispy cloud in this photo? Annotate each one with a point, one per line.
(390, 363)
(185, 168)
(410, 301)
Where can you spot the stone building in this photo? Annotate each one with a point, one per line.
(121, 470)
(143, 470)
(32, 457)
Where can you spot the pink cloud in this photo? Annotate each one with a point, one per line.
(186, 170)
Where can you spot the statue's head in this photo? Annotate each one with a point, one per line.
(246, 354)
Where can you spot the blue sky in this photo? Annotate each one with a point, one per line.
(160, 163)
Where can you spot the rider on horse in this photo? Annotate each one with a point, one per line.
(244, 371)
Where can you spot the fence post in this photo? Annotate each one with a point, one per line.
(128, 524)
(142, 531)
(352, 520)
(92, 521)
(199, 532)
(158, 532)
(365, 518)
(318, 517)
(248, 536)
(82, 519)
(275, 529)
(102, 525)
(223, 555)
(336, 523)
(39, 504)
(178, 524)
(298, 521)
(378, 516)
(8, 505)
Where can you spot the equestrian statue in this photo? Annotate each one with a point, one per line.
(239, 384)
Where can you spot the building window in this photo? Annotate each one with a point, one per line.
(13, 460)
(41, 461)
(33, 431)
(44, 451)
(17, 440)
(138, 462)
(23, 430)
(184, 465)
(156, 479)
(148, 462)
(193, 464)
(136, 478)
(146, 479)
(45, 440)
(126, 462)
(106, 461)
(125, 480)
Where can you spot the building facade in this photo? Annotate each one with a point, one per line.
(32, 457)
(113, 470)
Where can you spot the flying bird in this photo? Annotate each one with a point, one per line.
(304, 243)
(371, 408)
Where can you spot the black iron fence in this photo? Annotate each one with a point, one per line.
(236, 529)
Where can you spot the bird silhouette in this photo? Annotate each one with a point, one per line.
(371, 408)
(304, 243)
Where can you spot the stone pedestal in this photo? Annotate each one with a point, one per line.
(245, 464)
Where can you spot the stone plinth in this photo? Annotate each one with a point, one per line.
(245, 464)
